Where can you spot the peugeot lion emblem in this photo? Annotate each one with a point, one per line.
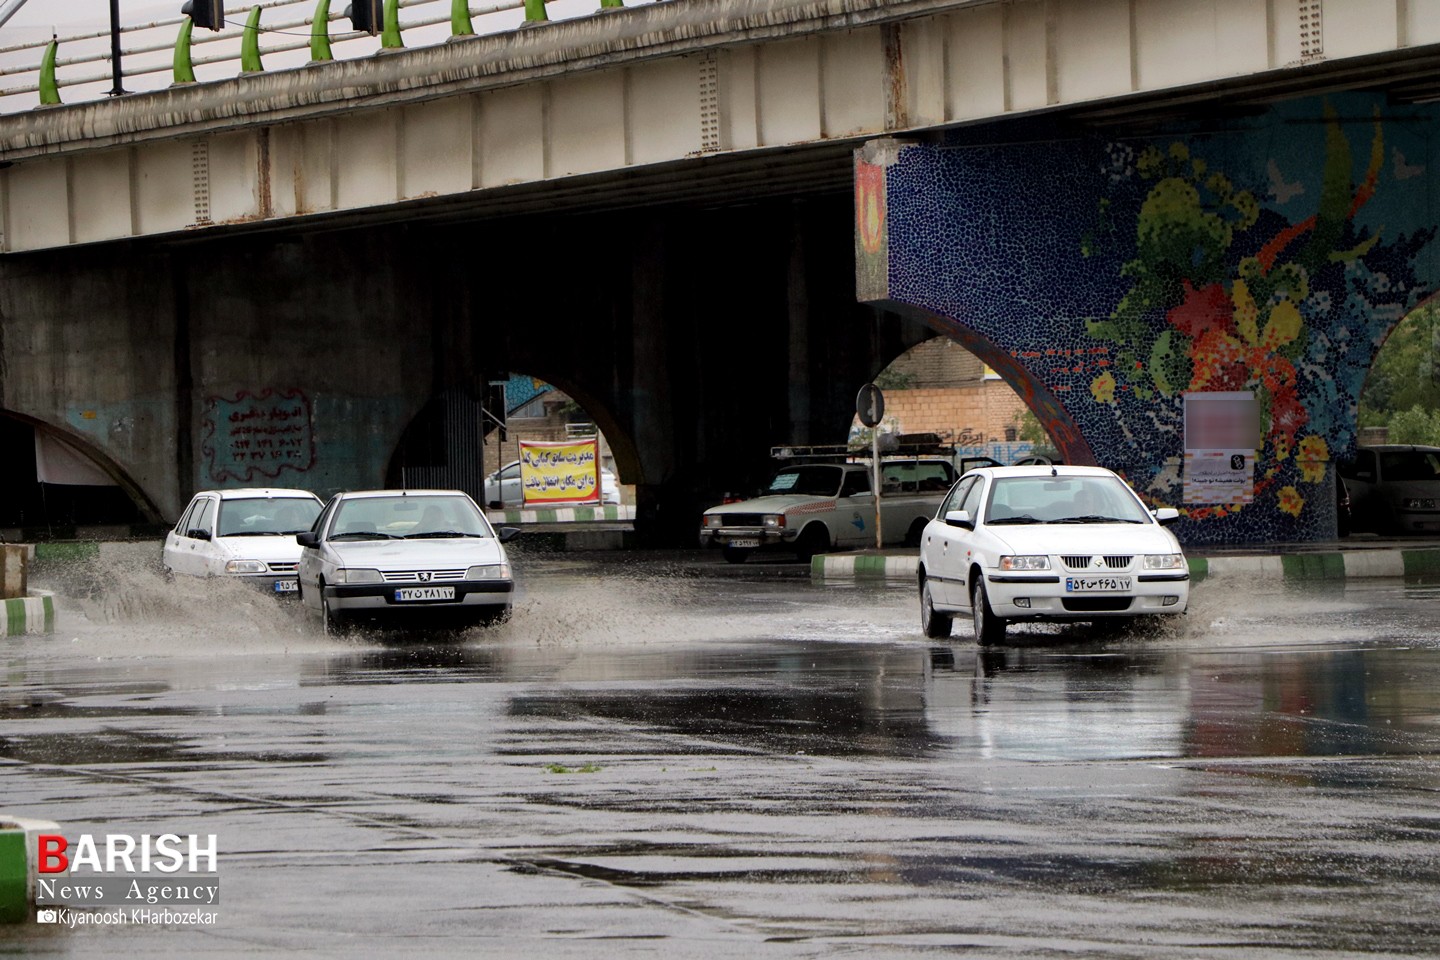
(423, 576)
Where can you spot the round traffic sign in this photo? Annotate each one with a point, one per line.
(870, 405)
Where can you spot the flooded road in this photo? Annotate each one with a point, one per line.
(648, 763)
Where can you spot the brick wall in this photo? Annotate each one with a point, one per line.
(939, 363)
(971, 415)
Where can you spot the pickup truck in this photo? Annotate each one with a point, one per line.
(811, 508)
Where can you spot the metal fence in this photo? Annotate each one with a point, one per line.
(266, 36)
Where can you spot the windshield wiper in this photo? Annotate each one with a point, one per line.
(252, 533)
(1094, 518)
(438, 534)
(1023, 518)
(366, 535)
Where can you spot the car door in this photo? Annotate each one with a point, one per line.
(510, 490)
(855, 509)
(208, 557)
(310, 562)
(944, 560)
(178, 545)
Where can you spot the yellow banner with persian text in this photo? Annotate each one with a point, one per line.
(565, 472)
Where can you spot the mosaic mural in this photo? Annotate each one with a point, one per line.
(1107, 278)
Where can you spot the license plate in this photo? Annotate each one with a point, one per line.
(286, 586)
(743, 542)
(425, 593)
(1096, 584)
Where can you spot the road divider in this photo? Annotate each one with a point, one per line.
(34, 614)
(903, 569)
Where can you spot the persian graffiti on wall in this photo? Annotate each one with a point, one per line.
(257, 435)
(1273, 256)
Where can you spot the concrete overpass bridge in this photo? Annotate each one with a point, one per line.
(655, 209)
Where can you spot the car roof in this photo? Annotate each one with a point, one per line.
(1043, 470)
(1398, 447)
(245, 493)
(364, 494)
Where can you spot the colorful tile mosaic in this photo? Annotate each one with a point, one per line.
(1106, 278)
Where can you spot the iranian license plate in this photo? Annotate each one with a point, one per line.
(743, 542)
(425, 593)
(1096, 584)
(286, 586)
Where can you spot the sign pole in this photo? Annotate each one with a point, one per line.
(870, 408)
(875, 483)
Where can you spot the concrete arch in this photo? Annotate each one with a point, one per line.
(145, 506)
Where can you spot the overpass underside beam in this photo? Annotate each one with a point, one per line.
(644, 90)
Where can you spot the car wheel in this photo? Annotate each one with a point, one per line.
(936, 625)
(989, 629)
(915, 533)
(494, 617)
(813, 539)
(736, 554)
(330, 621)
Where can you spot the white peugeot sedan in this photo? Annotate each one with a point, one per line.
(1047, 543)
(405, 555)
(245, 533)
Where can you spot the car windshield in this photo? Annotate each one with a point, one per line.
(1045, 499)
(266, 516)
(408, 518)
(817, 480)
(1409, 465)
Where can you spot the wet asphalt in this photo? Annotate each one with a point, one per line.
(650, 761)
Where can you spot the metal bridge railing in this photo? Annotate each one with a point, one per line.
(265, 36)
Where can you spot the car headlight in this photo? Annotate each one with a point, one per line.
(773, 521)
(713, 520)
(1025, 563)
(1164, 561)
(488, 571)
(245, 566)
(356, 576)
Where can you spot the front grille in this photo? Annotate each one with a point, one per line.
(741, 520)
(413, 576)
(1096, 604)
(1078, 562)
(283, 567)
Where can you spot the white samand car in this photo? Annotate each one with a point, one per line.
(405, 555)
(1047, 543)
(247, 534)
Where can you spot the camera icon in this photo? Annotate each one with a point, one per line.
(46, 916)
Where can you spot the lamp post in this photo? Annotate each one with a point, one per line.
(117, 89)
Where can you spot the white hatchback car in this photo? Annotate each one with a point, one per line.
(244, 533)
(405, 555)
(1047, 543)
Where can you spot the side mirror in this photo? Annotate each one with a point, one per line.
(960, 518)
(509, 533)
(198, 534)
(307, 539)
(1165, 515)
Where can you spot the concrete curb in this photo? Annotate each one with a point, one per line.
(1340, 565)
(18, 843)
(28, 615)
(563, 514)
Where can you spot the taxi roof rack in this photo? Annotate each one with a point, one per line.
(891, 445)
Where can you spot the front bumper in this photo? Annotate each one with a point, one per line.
(1043, 596)
(479, 595)
(762, 536)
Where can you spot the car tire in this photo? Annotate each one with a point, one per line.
(989, 629)
(814, 539)
(936, 625)
(915, 533)
(736, 554)
(330, 621)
